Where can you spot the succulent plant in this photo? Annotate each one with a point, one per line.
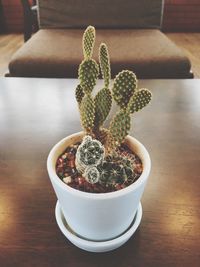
(119, 127)
(139, 100)
(88, 74)
(79, 94)
(103, 102)
(90, 153)
(94, 109)
(88, 42)
(124, 86)
(87, 110)
(104, 61)
(114, 170)
(91, 174)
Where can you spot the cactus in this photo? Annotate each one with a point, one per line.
(124, 87)
(90, 153)
(118, 130)
(94, 111)
(103, 102)
(104, 64)
(87, 111)
(88, 73)
(90, 160)
(79, 94)
(102, 135)
(91, 175)
(139, 100)
(88, 42)
(114, 170)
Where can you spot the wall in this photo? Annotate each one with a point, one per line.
(179, 15)
(13, 15)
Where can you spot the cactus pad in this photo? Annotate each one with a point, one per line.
(103, 102)
(88, 42)
(79, 94)
(124, 87)
(139, 100)
(87, 110)
(88, 74)
(104, 64)
(119, 127)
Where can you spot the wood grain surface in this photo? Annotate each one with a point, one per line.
(36, 113)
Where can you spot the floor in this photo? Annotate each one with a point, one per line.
(9, 43)
(189, 42)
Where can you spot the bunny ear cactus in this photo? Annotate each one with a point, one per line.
(88, 42)
(95, 110)
(104, 61)
(130, 100)
(103, 99)
(124, 87)
(139, 100)
(87, 111)
(79, 94)
(119, 128)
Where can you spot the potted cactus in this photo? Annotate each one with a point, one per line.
(99, 174)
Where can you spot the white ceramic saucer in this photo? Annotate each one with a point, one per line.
(96, 246)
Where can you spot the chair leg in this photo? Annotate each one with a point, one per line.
(27, 32)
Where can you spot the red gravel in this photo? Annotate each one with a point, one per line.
(67, 172)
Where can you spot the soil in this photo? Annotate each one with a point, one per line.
(67, 172)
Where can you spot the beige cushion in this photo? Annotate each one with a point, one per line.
(57, 53)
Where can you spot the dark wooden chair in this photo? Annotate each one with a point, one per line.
(130, 28)
(30, 18)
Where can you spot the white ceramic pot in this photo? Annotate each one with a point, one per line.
(98, 216)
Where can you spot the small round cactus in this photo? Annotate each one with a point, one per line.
(115, 170)
(89, 153)
(91, 175)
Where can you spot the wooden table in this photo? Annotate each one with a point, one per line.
(36, 113)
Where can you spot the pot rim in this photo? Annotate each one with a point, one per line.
(146, 162)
